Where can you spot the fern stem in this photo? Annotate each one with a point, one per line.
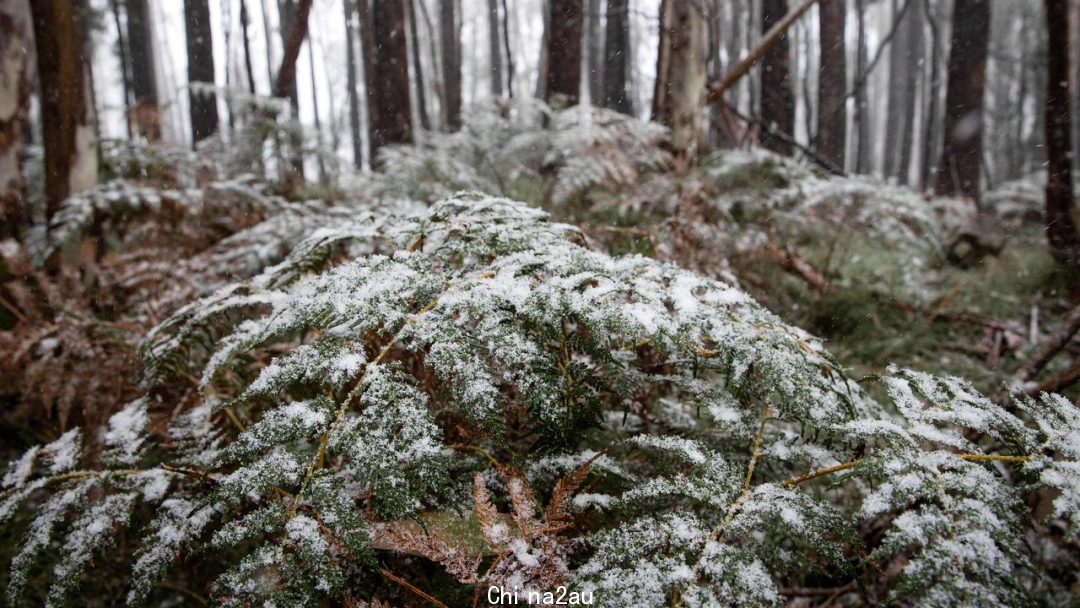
(473, 448)
(818, 473)
(995, 457)
(413, 588)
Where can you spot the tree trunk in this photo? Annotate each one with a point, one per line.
(564, 53)
(144, 114)
(121, 47)
(367, 53)
(418, 67)
(961, 156)
(595, 58)
(914, 44)
(1062, 213)
(930, 122)
(617, 57)
(200, 53)
(451, 56)
(509, 53)
(244, 22)
(15, 84)
(543, 67)
(67, 118)
(350, 74)
(901, 93)
(269, 47)
(494, 51)
(777, 98)
(294, 30)
(862, 103)
(393, 121)
(832, 87)
(681, 83)
(323, 177)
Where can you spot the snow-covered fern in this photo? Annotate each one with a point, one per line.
(430, 404)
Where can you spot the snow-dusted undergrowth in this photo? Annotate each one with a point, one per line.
(614, 424)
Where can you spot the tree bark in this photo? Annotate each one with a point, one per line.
(564, 53)
(832, 86)
(393, 121)
(1062, 213)
(617, 57)
(296, 25)
(543, 67)
(595, 56)
(961, 156)
(914, 44)
(121, 47)
(451, 56)
(777, 98)
(67, 125)
(140, 43)
(350, 75)
(200, 56)
(244, 22)
(418, 67)
(681, 82)
(862, 102)
(494, 52)
(367, 53)
(323, 177)
(15, 85)
(901, 93)
(509, 53)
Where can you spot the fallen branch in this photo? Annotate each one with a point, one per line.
(717, 89)
(798, 267)
(1050, 348)
(812, 154)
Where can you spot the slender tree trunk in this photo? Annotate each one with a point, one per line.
(367, 54)
(564, 53)
(543, 67)
(509, 53)
(393, 124)
(245, 18)
(451, 56)
(595, 57)
(681, 84)
(418, 67)
(617, 57)
(961, 157)
(913, 68)
(323, 177)
(863, 152)
(901, 93)
(67, 126)
(295, 25)
(931, 132)
(267, 35)
(350, 75)
(831, 133)
(777, 96)
(121, 46)
(200, 52)
(15, 82)
(495, 52)
(1062, 213)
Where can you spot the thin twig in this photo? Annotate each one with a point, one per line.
(411, 587)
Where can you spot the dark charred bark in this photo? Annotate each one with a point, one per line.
(564, 52)
(66, 111)
(350, 74)
(393, 121)
(777, 97)
(616, 57)
(832, 114)
(15, 84)
(451, 56)
(1062, 213)
(961, 156)
(200, 55)
(494, 52)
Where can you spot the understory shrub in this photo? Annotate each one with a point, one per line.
(467, 396)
